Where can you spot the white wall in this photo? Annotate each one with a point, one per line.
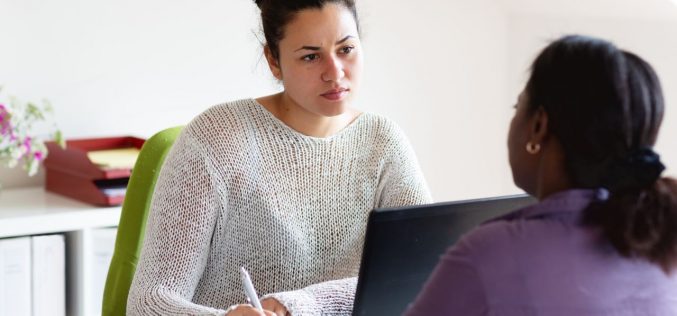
(438, 68)
(128, 67)
(447, 71)
(135, 67)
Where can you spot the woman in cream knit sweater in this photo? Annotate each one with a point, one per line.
(281, 185)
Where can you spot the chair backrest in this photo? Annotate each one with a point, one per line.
(132, 227)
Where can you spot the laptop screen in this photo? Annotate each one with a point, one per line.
(402, 247)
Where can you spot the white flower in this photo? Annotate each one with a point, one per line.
(20, 142)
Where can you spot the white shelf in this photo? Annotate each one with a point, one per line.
(31, 211)
(34, 211)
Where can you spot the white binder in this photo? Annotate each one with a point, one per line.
(15, 276)
(49, 275)
(103, 244)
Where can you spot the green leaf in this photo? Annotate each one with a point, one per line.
(58, 137)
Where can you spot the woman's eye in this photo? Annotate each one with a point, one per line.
(347, 49)
(310, 57)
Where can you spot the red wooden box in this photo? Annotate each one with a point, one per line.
(71, 173)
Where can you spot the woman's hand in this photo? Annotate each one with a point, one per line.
(271, 307)
(248, 310)
(275, 306)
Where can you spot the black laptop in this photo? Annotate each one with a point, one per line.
(403, 245)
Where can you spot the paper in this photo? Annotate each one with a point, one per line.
(120, 158)
(114, 191)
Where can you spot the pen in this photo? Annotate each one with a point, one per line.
(249, 289)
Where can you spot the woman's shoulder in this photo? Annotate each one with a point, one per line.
(517, 232)
(380, 121)
(222, 119)
(382, 128)
(490, 236)
(225, 113)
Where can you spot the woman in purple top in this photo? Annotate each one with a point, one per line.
(603, 238)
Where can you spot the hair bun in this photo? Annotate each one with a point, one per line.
(640, 169)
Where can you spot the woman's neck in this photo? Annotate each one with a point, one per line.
(303, 121)
(553, 176)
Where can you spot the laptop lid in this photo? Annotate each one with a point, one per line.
(402, 247)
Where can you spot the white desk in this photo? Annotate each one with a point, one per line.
(33, 211)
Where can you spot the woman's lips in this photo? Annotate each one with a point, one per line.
(335, 95)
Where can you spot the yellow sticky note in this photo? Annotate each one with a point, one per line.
(119, 158)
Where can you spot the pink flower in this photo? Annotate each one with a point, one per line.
(19, 146)
(5, 127)
(27, 144)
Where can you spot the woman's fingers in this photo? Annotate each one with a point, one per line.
(248, 310)
(273, 305)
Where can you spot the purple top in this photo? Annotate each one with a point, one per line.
(540, 261)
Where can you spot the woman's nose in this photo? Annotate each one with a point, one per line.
(333, 69)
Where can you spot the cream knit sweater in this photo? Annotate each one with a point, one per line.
(241, 188)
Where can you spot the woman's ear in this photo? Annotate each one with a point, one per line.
(273, 63)
(539, 127)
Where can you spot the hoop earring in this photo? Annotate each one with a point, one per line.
(533, 148)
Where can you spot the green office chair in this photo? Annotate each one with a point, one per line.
(132, 228)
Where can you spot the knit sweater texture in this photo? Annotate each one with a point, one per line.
(240, 188)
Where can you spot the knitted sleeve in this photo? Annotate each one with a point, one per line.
(402, 184)
(326, 298)
(178, 233)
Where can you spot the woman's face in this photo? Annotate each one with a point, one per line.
(522, 163)
(320, 60)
